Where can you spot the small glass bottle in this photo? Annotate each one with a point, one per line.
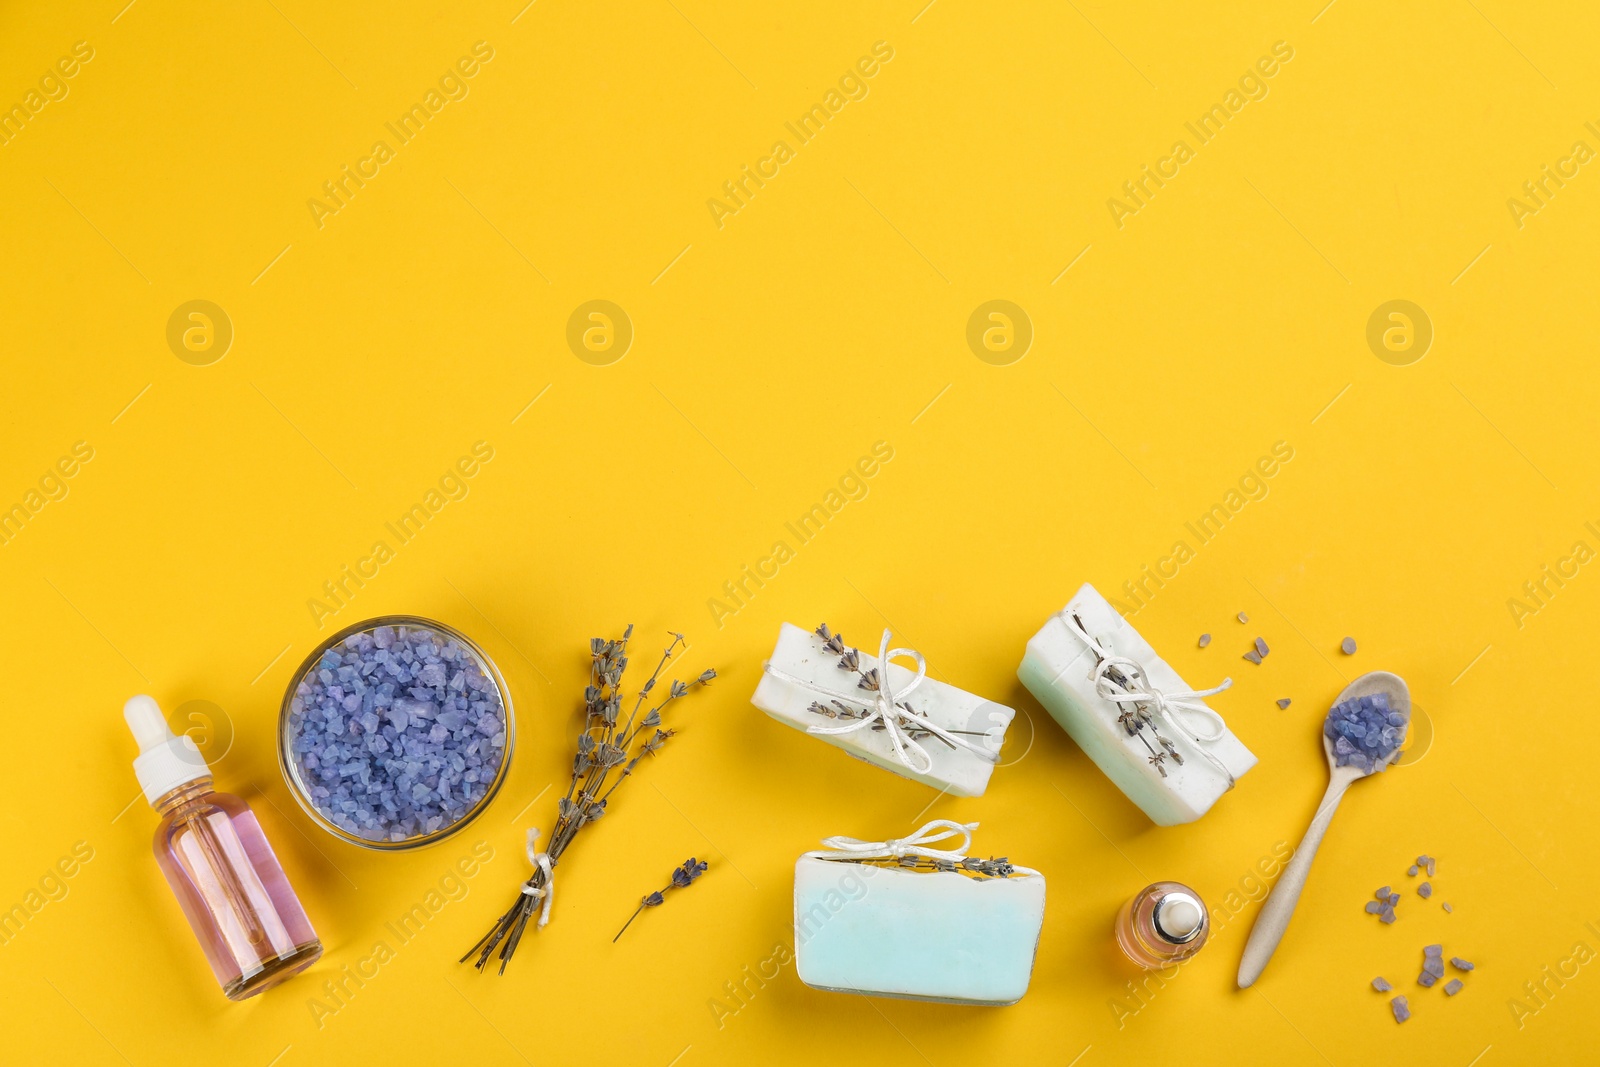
(209, 845)
(1164, 923)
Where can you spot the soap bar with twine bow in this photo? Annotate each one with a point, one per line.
(881, 712)
(1131, 713)
(903, 918)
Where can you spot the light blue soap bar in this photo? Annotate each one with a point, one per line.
(922, 935)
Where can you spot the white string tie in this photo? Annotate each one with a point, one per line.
(1199, 723)
(540, 860)
(855, 850)
(1136, 689)
(883, 707)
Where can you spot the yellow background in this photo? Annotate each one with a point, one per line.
(769, 354)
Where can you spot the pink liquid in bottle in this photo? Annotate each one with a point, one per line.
(231, 887)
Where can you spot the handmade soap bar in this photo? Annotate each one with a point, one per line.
(1131, 713)
(952, 935)
(936, 734)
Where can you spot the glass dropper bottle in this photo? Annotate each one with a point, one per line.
(229, 883)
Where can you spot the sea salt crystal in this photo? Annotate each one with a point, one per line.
(1261, 648)
(1412, 870)
(1348, 646)
(1374, 731)
(1460, 964)
(1205, 639)
(1426, 980)
(1402, 1010)
(1243, 617)
(1425, 890)
(385, 694)
(1283, 703)
(1452, 987)
(1381, 984)
(1254, 657)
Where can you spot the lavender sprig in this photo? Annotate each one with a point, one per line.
(995, 867)
(682, 878)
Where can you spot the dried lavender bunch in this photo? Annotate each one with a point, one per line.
(682, 878)
(1138, 720)
(607, 743)
(850, 660)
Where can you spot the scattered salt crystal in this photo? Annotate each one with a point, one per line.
(1283, 703)
(1381, 984)
(1387, 916)
(1425, 890)
(1373, 907)
(1426, 980)
(1432, 951)
(1254, 657)
(1432, 864)
(1460, 964)
(1261, 648)
(1243, 617)
(1448, 908)
(1412, 870)
(1381, 894)
(1433, 967)
(1348, 646)
(1394, 898)
(1402, 1010)
(1205, 639)
(1452, 987)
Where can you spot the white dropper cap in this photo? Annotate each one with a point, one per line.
(1178, 917)
(166, 760)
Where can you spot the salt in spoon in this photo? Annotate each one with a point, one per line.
(1279, 908)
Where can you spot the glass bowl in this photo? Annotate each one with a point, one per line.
(435, 763)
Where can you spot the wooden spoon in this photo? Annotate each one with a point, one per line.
(1279, 908)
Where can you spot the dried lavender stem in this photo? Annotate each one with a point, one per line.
(644, 691)
(629, 923)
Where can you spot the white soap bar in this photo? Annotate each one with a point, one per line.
(1059, 669)
(800, 654)
(923, 935)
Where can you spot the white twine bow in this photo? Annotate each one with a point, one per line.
(540, 860)
(1133, 687)
(883, 707)
(854, 850)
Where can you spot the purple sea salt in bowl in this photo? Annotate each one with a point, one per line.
(396, 732)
